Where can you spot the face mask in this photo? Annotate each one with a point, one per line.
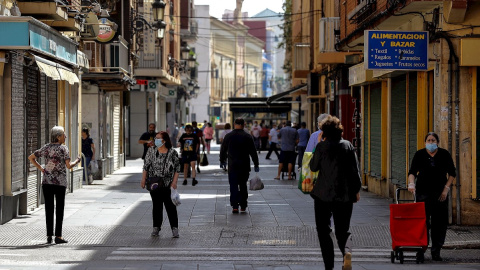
(431, 147)
(158, 142)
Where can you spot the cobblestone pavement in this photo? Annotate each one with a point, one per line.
(108, 226)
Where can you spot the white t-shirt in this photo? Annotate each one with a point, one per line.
(274, 134)
(256, 131)
(224, 132)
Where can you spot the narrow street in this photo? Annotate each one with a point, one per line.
(108, 226)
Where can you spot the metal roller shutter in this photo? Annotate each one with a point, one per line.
(366, 133)
(478, 136)
(52, 105)
(116, 131)
(399, 132)
(33, 130)
(18, 124)
(412, 116)
(376, 130)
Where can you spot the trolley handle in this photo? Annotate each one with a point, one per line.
(397, 196)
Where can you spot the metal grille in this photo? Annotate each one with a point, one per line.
(33, 130)
(376, 130)
(116, 130)
(18, 124)
(412, 117)
(399, 133)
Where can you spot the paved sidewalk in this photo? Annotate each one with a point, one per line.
(111, 221)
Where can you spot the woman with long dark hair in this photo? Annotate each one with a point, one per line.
(162, 161)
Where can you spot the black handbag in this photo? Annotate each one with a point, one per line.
(203, 159)
(156, 182)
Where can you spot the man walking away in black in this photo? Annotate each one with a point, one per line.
(238, 146)
(199, 133)
(337, 188)
(147, 139)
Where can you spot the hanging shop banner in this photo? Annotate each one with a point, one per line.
(396, 50)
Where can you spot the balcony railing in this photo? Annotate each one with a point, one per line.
(302, 56)
(327, 33)
(114, 59)
(152, 61)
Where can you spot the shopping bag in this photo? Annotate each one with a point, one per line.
(203, 159)
(256, 183)
(307, 177)
(175, 196)
(93, 166)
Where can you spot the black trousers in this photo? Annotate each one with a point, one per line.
(273, 147)
(342, 213)
(52, 193)
(238, 188)
(437, 222)
(159, 198)
(264, 141)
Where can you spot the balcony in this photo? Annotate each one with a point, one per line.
(110, 70)
(43, 10)
(149, 64)
(329, 27)
(301, 53)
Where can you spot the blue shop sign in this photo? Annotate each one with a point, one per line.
(31, 35)
(396, 50)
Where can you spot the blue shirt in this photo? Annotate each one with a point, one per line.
(312, 142)
(303, 135)
(289, 137)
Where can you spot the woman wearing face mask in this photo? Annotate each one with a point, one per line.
(162, 161)
(430, 166)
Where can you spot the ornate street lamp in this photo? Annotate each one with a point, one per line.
(158, 8)
(160, 26)
(185, 52)
(196, 89)
(191, 61)
(191, 86)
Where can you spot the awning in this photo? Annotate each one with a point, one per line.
(50, 71)
(56, 71)
(285, 93)
(68, 76)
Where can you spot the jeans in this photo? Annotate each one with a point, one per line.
(87, 162)
(256, 141)
(159, 198)
(273, 147)
(264, 141)
(52, 193)
(301, 151)
(238, 188)
(342, 213)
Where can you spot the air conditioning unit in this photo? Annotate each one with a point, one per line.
(328, 26)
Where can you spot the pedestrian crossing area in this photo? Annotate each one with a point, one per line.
(242, 254)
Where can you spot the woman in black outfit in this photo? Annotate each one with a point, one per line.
(336, 189)
(430, 166)
(88, 150)
(162, 161)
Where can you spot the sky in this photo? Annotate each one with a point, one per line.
(217, 7)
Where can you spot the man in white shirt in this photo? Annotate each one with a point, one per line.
(256, 135)
(273, 141)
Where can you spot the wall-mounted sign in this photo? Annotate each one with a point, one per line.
(105, 33)
(396, 50)
(142, 82)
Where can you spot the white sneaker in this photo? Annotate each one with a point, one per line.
(155, 231)
(175, 232)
